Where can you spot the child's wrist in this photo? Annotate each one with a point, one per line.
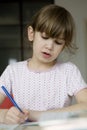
(3, 115)
(34, 115)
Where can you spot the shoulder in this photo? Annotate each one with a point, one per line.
(67, 68)
(20, 63)
(17, 65)
(67, 65)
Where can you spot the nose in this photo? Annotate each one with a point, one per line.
(49, 44)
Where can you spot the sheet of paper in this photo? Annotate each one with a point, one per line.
(8, 127)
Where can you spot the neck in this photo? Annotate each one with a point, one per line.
(39, 66)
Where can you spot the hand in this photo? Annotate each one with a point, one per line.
(14, 116)
(34, 115)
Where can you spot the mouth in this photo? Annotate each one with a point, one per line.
(46, 55)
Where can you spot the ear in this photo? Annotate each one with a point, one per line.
(30, 33)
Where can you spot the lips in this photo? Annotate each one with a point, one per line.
(46, 55)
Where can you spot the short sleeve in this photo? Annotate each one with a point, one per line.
(5, 79)
(75, 80)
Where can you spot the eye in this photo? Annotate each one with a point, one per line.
(44, 36)
(59, 43)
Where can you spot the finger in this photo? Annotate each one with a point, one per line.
(17, 112)
(26, 112)
(12, 118)
(14, 115)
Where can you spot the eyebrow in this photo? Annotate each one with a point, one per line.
(61, 38)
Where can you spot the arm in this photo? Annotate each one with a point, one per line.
(81, 99)
(2, 97)
(81, 102)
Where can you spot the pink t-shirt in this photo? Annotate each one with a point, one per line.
(42, 90)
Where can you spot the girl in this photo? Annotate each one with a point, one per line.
(42, 84)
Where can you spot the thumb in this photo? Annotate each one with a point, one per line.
(26, 111)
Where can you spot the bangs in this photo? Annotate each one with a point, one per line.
(54, 22)
(52, 30)
(50, 24)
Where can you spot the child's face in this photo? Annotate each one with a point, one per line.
(46, 49)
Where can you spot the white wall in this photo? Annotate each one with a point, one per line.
(78, 9)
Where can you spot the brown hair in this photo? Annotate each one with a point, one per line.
(55, 20)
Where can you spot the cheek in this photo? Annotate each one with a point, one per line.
(36, 47)
(58, 50)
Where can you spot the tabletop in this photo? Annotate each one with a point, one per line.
(53, 121)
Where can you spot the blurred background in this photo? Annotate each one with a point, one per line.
(16, 14)
(14, 18)
(78, 9)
